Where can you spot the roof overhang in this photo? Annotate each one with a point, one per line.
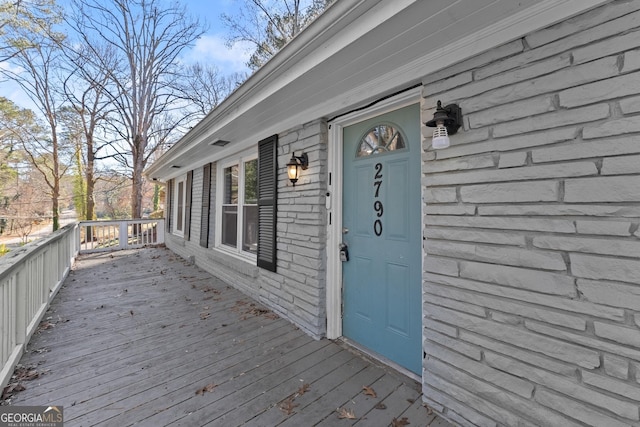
(355, 52)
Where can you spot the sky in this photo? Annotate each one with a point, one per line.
(209, 49)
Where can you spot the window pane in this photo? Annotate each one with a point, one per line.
(230, 226)
(180, 205)
(379, 139)
(250, 229)
(251, 182)
(231, 185)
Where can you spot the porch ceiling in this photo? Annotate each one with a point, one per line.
(354, 53)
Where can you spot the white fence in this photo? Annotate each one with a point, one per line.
(32, 275)
(125, 234)
(29, 279)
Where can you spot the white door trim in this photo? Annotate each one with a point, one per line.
(334, 201)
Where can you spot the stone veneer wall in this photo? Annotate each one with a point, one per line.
(297, 290)
(532, 267)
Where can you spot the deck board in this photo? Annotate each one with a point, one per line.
(133, 335)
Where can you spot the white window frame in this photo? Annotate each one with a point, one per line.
(176, 203)
(239, 160)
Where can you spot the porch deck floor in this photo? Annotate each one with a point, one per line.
(142, 337)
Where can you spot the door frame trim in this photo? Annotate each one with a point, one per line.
(334, 200)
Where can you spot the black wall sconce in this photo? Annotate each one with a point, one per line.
(446, 121)
(295, 164)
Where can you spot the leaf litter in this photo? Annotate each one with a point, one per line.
(20, 374)
(368, 391)
(344, 413)
(404, 421)
(287, 405)
(249, 309)
(206, 389)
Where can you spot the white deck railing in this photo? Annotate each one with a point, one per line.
(29, 279)
(32, 275)
(125, 234)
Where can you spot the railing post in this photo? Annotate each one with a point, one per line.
(160, 232)
(123, 235)
(20, 308)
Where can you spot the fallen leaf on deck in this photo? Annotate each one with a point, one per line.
(369, 391)
(287, 406)
(303, 389)
(401, 422)
(208, 388)
(380, 405)
(429, 410)
(10, 389)
(346, 413)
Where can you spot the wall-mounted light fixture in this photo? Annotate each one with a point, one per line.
(295, 164)
(446, 121)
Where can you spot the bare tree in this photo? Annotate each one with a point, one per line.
(36, 60)
(28, 207)
(87, 93)
(147, 38)
(267, 26)
(204, 87)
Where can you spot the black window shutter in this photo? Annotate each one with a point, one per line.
(206, 201)
(169, 206)
(187, 206)
(267, 202)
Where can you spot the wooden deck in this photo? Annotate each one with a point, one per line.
(142, 337)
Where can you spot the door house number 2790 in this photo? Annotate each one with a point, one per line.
(377, 205)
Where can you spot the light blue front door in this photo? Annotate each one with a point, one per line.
(381, 220)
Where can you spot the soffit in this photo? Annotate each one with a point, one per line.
(354, 53)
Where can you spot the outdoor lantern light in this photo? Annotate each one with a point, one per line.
(446, 121)
(295, 164)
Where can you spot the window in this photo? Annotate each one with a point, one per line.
(181, 205)
(180, 214)
(381, 138)
(238, 218)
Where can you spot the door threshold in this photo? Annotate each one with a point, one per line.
(377, 358)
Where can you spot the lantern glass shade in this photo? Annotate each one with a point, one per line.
(440, 137)
(295, 164)
(292, 171)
